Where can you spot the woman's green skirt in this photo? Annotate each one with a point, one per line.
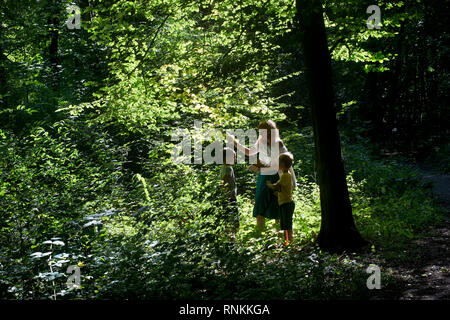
(266, 203)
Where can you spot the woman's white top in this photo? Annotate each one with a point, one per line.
(271, 159)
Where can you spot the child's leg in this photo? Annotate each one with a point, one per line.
(232, 218)
(287, 211)
(283, 223)
(235, 225)
(291, 214)
(288, 236)
(235, 221)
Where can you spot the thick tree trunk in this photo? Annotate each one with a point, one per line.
(337, 231)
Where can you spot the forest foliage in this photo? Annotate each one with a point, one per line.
(86, 118)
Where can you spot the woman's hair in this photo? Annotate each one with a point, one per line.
(270, 125)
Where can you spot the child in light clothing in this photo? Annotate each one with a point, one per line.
(283, 189)
(231, 212)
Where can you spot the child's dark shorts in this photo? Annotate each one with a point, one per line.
(286, 213)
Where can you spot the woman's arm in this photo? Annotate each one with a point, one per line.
(243, 149)
(259, 164)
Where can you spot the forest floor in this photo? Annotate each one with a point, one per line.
(426, 274)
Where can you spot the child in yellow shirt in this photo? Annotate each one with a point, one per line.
(283, 188)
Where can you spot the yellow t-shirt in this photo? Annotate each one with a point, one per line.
(285, 193)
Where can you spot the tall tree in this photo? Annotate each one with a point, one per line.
(53, 25)
(338, 231)
(3, 70)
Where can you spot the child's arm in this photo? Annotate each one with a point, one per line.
(274, 186)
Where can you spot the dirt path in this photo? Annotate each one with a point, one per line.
(428, 278)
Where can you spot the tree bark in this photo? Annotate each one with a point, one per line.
(53, 25)
(393, 92)
(376, 109)
(337, 231)
(3, 74)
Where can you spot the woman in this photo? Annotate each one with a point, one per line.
(266, 203)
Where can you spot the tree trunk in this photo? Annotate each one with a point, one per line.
(53, 25)
(393, 88)
(376, 109)
(3, 75)
(338, 231)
